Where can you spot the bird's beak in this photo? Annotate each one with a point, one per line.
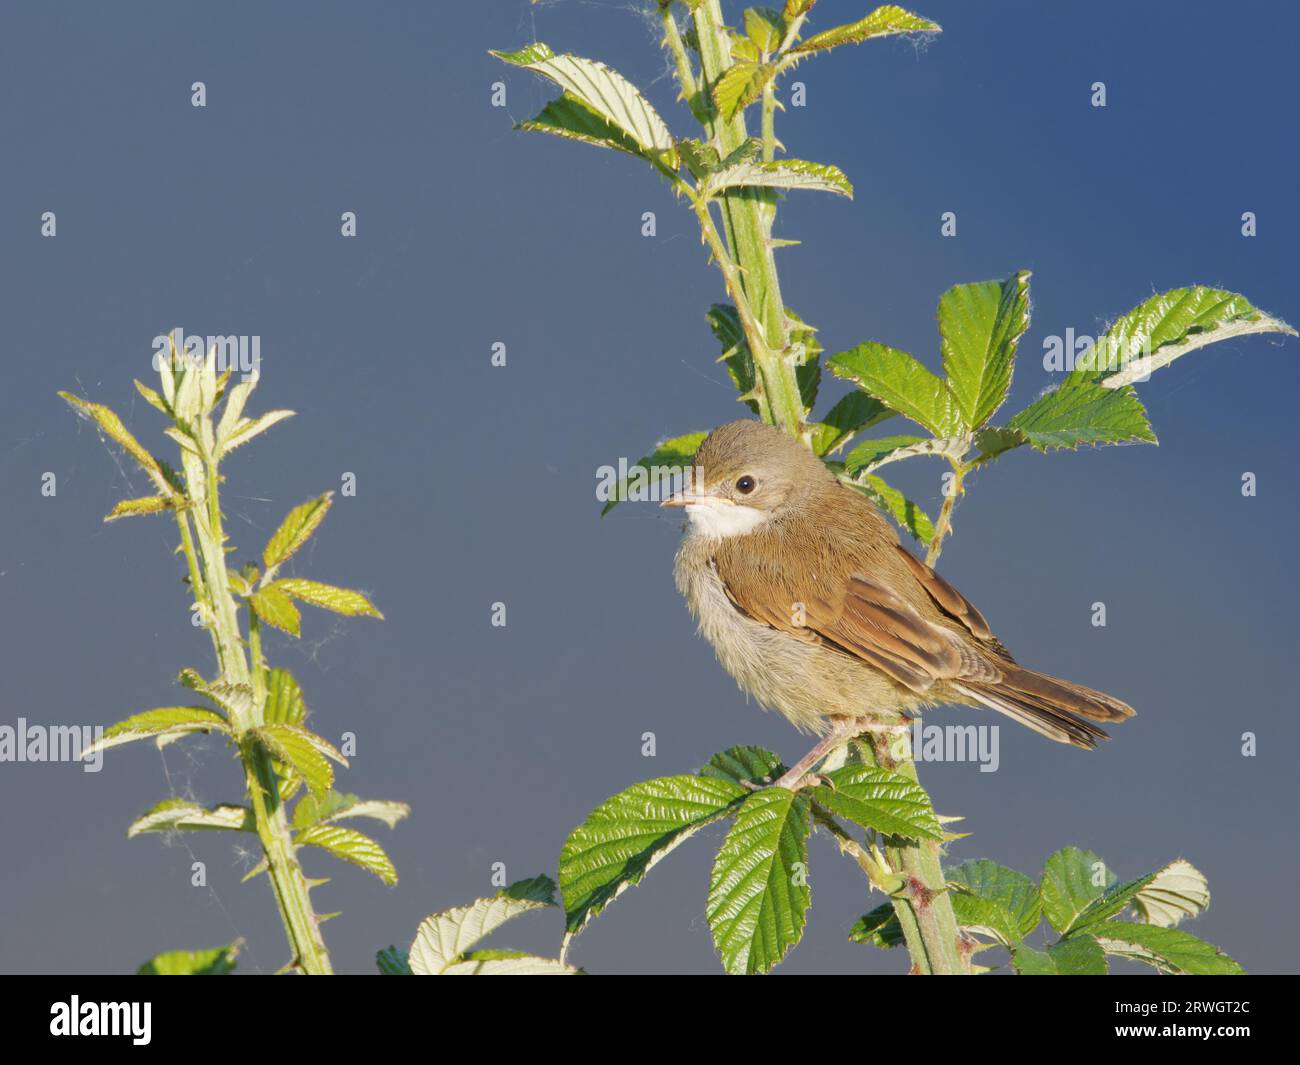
(688, 497)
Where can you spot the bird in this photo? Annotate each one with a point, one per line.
(817, 610)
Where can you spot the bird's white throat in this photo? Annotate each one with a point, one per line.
(720, 520)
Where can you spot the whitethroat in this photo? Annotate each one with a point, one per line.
(818, 611)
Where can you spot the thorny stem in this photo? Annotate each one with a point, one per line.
(943, 526)
(209, 580)
(748, 266)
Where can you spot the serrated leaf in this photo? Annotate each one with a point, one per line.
(883, 22)
(870, 452)
(878, 928)
(296, 529)
(443, 938)
(273, 606)
(764, 28)
(979, 327)
(351, 846)
(1115, 898)
(335, 806)
(327, 597)
(739, 360)
(185, 816)
(284, 701)
(1178, 890)
(508, 963)
(144, 505)
(851, 415)
(627, 834)
(1083, 412)
(567, 116)
(1012, 890)
(233, 412)
(909, 515)
(881, 799)
(247, 429)
(112, 427)
(1170, 950)
(604, 91)
(758, 891)
(219, 961)
(782, 174)
(1167, 327)
(536, 888)
(741, 85)
(1072, 878)
(162, 722)
(392, 962)
(669, 457)
(901, 383)
(744, 765)
(299, 750)
(152, 398)
(1077, 956)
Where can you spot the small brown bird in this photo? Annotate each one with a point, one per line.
(818, 611)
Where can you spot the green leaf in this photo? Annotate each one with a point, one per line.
(246, 429)
(393, 962)
(1115, 898)
(164, 721)
(336, 806)
(146, 505)
(443, 939)
(909, 515)
(326, 596)
(303, 752)
(870, 452)
(219, 961)
(851, 415)
(758, 892)
(296, 530)
(881, 799)
(901, 383)
(883, 22)
(782, 174)
(604, 91)
(741, 85)
(1012, 890)
(1178, 890)
(1072, 879)
(1167, 327)
(627, 834)
(152, 398)
(284, 702)
(508, 963)
(274, 607)
(744, 765)
(670, 457)
(184, 815)
(795, 8)
(1170, 950)
(536, 889)
(112, 426)
(1077, 956)
(567, 116)
(1082, 412)
(739, 360)
(764, 28)
(351, 846)
(879, 928)
(979, 328)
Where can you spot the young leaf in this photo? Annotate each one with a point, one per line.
(764, 28)
(979, 328)
(1168, 949)
(184, 815)
(144, 505)
(299, 750)
(883, 22)
(112, 426)
(902, 384)
(870, 452)
(247, 428)
(1071, 880)
(273, 606)
(340, 600)
(152, 398)
(219, 961)
(164, 721)
(604, 91)
(1179, 890)
(296, 529)
(1083, 412)
(782, 174)
(758, 892)
(1167, 327)
(351, 846)
(670, 457)
(627, 834)
(335, 806)
(1076, 956)
(741, 85)
(880, 799)
(284, 702)
(851, 415)
(567, 116)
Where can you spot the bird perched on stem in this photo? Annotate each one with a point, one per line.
(816, 609)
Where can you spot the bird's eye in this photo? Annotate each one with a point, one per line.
(745, 485)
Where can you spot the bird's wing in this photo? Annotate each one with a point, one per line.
(858, 615)
(952, 603)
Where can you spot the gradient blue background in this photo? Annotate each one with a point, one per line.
(476, 484)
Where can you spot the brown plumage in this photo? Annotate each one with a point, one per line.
(818, 611)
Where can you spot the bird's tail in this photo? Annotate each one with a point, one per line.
(1058, 709)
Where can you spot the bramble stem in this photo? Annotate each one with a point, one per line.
(943, 526)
